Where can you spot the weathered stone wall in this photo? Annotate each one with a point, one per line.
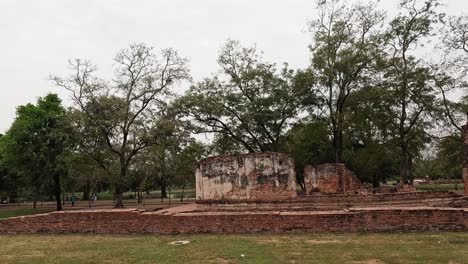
(128, 222)
(331, 178)
(258, 176)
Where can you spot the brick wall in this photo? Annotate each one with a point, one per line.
(331, 178)
(131, 221)
(413, 197)
(465, 179)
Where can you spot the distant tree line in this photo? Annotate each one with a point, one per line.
(371, 98)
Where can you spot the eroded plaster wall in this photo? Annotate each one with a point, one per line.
(257, 176)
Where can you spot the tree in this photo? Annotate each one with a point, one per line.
(162, 160)
(455, 39)
(370, 150)
(10, 182)
(39, 142)
(450, 155)
(186, 165)
(250, 103)
(345, 44)
(123, 111)
(407, 81)
(308, 143)
(89, 177)
(450, 78)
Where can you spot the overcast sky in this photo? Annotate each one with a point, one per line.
(39, 36)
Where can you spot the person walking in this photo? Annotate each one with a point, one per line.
(73, 200)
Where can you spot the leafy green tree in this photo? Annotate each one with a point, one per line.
(346, 43)
(223, 144)
(186, 165)
(89, 177)
(10, 182)
(39, 142)
(308, 143)
(369, 143)
(408, 82)
(162, 161)
(450, 156)
(250, 102)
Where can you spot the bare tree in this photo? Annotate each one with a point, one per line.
(123, 111)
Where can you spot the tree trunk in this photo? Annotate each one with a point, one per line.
(335, 145)
(169, 197)
(118, 188)
(34, 199)
(140, 196)
(409, 171)
(182, 195)
(339, 139)
(118, 196)
(338, 145)
(86, 190)
(163, 189)
(375, 180)
(465, 158)
(57, 192)
(404, 164)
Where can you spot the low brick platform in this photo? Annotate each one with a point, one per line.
(197, 218)
(409, 197)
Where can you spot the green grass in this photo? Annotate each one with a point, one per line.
(301, 248)
(188, 193)
(22, 211)
(439, 187)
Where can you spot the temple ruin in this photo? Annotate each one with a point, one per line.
(257, 176)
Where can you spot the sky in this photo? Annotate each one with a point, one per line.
(37, 38)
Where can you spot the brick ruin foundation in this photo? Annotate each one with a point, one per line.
(255, 193)
(236, 218)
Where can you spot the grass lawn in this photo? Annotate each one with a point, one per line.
(439, 187)
(23, 211)
(301, 248)
(177, 193)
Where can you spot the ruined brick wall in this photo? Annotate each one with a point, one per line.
(405, 188)
(331, 178)
(131, 222)
(465, 158)
(419, 198)
(318, 199)
(258, 176)
(465, 180)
